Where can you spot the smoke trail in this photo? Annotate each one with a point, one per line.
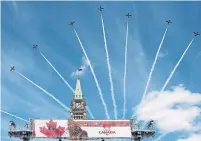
(109, 70)
(95, 79)
(125, 72)
(14, 116)
(134, 113)
(90, 113)
(57, 72)
(152, 69)
(173, 71)
(153, 66)
(44, 91)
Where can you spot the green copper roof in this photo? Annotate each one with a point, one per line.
(78, 90)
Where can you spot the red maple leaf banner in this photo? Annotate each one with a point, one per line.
(52, 130)
(79, 129)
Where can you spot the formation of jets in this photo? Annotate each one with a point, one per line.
(12, 68)
(128, 15)
(196, 34)
(169, 22)
(71, 23)
(100, 8)
(35, 46)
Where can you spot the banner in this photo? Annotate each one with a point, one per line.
(103, 128)
(82, 129)
(50, 128)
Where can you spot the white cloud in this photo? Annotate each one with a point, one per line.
(194, 137)
(162, 54)
(173, 110)
(84, 66)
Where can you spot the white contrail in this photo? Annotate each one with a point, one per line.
(173, 71)
(57, 72)
(90, 113)
(125, 72)
(153, 66)
(44, 91)
(14, 116)
(95, 79)
(109, 70)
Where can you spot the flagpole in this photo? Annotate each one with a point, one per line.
(78, 75)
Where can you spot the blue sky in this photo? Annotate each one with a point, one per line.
(46, 24)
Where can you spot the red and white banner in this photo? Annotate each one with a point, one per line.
(105, 128)
(50, 128)
(82, 129)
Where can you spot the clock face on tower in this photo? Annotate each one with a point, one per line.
(78, 105)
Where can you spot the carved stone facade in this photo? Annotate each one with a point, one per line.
(78, 104)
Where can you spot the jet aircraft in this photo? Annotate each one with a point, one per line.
(71, 23)
(35, 46)
(169, 22)
(80, 69)
(196, 34)
(128, 15)
(12, 68)
(100, 8)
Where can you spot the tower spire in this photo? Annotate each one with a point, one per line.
(78, 104)
(78, 90)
